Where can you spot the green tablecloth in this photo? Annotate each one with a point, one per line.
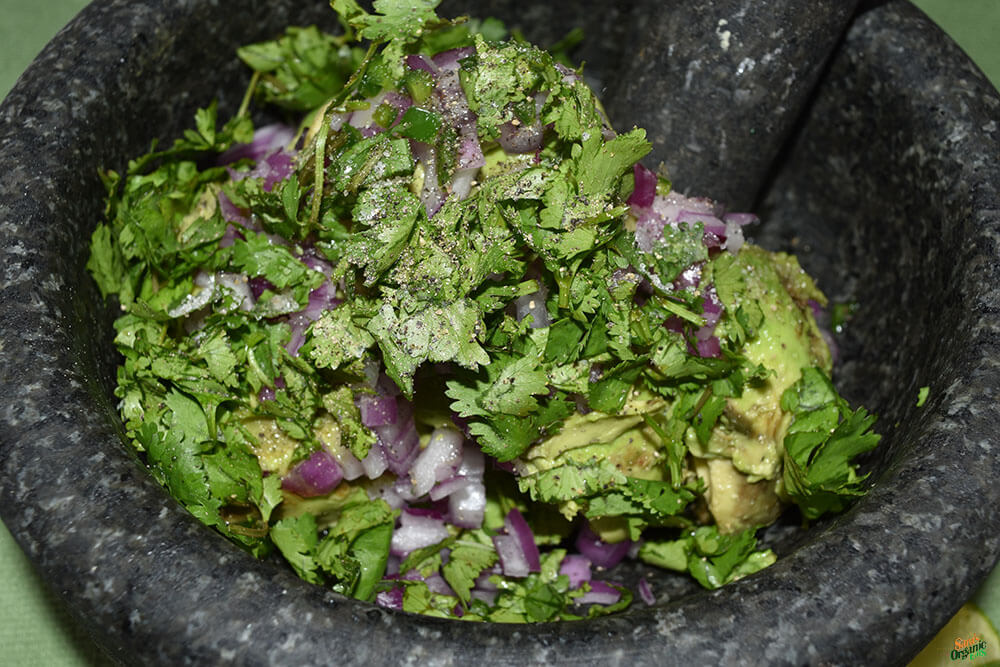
(34, 629)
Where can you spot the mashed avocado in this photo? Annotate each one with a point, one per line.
(740, 463)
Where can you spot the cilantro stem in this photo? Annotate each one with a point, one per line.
(672, 460)
(319, 168)
(247, 96)
(358, 73)
(705, 395)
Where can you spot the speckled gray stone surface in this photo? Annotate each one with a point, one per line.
(889, 193)
(737, 74)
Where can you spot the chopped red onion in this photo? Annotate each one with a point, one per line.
(365, 118)
(348, 462)
(420, 61)
(399, 440)
(601, 553)
(600, 593)
(467, 505)
(646, 592)
(436, 584)
(232, 213)
(400, 102)
(266, 140)
(645, 187)
(258, 285)
(489, 597)
(740, 219)
(374, 464)
(710, 348)
(447, 487)
(577, 568)
(430, 194)
(384, 487)
(515, 563)
(461, 182)
(376, 410)
(390, 599)
(473, 463)
(438, 461)
(318, 475)
(416, 532)
(449, 60)
(516, 546)
(201, 296)
(470, 152)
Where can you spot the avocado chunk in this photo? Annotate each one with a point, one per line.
(740, 463)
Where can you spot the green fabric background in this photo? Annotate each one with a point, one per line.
(34, 627)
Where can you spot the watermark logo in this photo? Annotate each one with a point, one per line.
(969, 648)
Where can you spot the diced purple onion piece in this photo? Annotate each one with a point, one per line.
(489, 597)
(461, 182)
(449, 60)
(437, 461)
(689, 277)
(577, 568)
(436, 584)
(483, 582)
(645, 187)
(384, 487)
(600, 593)
(266, 140)
(399, 101)
(734, 238)
(374, 464)
(316, 262)
(646, 592)
(231, 212)
(740, 219)
(447, 487)
(298, 322)
(415, 532)
(420, 61)
(258, 285)
(349, 463)
(473, 463)
(390, 599)
(377, 410)
(318, 475)
(512, 557)
(470, 152)
(400, 440)
(601, 553)
(516, 546)
(710, 348)
(467, 505)
(231, 234)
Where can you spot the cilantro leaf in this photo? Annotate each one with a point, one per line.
(823, 439)
(713, 559)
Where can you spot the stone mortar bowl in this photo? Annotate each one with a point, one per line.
(888, 192)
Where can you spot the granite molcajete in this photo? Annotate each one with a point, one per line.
(888, 192)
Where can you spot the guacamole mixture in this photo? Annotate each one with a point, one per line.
(436, 335)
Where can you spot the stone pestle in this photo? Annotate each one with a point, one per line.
(719, 85)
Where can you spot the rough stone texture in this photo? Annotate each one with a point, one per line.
(889, 194)
(729, 78)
